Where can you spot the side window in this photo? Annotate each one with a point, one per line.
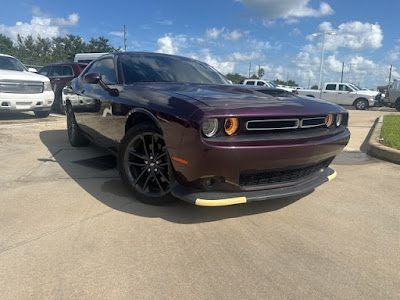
(345, 88)
(260, 83)
(105, 67)
(250, 82)
(331, 87)
(56, 71)
(67, 71)
(44, 71)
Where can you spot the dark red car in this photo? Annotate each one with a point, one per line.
(60, 74)
(178, 127)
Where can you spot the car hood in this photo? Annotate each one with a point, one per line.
(220, 98)
(18, 75)
(367, 93)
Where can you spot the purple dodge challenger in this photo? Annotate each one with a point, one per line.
(179, 128)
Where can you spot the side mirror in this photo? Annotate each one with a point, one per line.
(32, 70)
(92, 78)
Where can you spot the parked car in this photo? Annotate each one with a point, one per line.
(260, 82)
(178, 127)
(392, 96)
(60, 74)
(343, 94)
(21, 90)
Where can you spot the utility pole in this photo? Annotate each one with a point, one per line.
(341, 78)
(125, 38)
(249, 69)
(390, 74)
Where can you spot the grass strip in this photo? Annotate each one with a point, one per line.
(390, 132)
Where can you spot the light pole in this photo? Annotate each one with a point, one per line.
(322, 52)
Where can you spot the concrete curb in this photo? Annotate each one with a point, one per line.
(376, 149)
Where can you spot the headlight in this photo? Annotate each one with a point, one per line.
(210, 127)
(47, 86)
(231, 126)
(339, 120)
(329, 120)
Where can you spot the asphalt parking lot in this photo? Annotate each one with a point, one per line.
(69, 229)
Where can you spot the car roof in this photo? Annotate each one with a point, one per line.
(65, 63)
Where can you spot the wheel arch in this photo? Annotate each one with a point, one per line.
(139, 116)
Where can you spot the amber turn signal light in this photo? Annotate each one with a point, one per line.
(231, 125)
(328, 120)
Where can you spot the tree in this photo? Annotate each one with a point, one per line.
(100, 45)
(288, 83)
(6, 45)
(314, 87)
(235, 78)
(254, 76)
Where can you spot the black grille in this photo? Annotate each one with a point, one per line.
(269, 177)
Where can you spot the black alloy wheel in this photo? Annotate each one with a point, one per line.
(58, 102)
(144, 163)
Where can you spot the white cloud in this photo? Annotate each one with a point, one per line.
(117, 33)
(72, 20)
(171, 44)
(40, 25)
(232, 36)
(237, 56)
(287, 9)
(165, 22)
(215, 33)
(354, 35)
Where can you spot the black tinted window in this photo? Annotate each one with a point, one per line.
(331, 87)
(67, 71)
(105, 67)
(44, 71)
(154, 68)
(56, 71)
(249, 82)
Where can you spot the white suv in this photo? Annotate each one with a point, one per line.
(21, 90)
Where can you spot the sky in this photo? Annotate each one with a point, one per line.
(234, 36)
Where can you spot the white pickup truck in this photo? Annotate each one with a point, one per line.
(343, 94)
(21, 90)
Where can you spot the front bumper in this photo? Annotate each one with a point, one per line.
(212, 198)
(26, 102)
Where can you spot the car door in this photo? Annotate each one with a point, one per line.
(96, 112)
(345, 97)
(329, 94)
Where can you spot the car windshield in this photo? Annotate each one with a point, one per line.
(10, 63)
(162, 68)
(272, 84)
(354, 87)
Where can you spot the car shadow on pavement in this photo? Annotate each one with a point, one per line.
(11, 115)
(94, 169)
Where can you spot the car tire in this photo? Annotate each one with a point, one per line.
(361, 104)
(58, 105)
(144, 165)
(42, 113)
(75, 135)
(397, 105)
